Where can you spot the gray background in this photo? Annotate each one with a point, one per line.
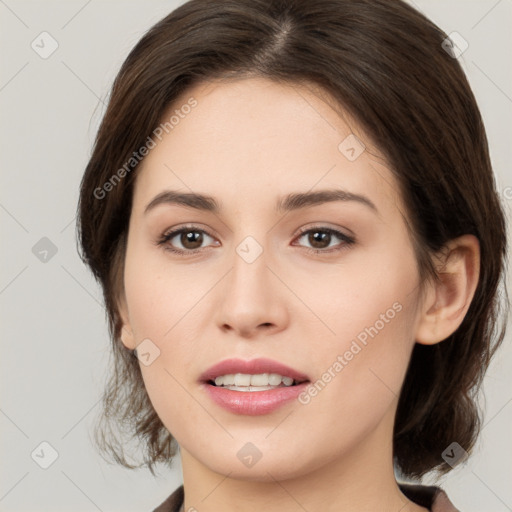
(54, 336)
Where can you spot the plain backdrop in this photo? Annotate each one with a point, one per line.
(54, 336)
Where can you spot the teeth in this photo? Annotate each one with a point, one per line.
(242, 379)
(263, 380)
(250, 388)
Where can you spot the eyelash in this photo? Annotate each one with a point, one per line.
(166, 237)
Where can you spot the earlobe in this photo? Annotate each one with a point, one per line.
(127, 336)
(448, 299)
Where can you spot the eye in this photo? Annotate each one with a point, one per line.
(321, 237)
(191, 238)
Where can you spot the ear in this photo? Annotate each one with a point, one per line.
(127, 336)
(447, 301)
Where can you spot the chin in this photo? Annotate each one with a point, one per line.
(261, 473)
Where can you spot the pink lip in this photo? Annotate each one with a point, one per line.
(254, 367)
(252, 402)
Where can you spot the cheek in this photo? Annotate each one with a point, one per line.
(161, 310)
(359, 372)
(368, 313)
(156, 299)
(365, 297)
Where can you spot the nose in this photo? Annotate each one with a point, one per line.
(252, 298)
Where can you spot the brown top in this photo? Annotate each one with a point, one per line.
(428, 496)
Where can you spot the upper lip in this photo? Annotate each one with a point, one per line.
(253, 367)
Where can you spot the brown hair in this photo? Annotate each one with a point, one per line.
(384, 63)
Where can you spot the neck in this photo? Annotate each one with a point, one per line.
(360, 479)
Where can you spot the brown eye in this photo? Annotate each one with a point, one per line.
(184, 240)
(191, 239)
(320, 240)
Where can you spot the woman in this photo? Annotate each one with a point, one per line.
(292, 212)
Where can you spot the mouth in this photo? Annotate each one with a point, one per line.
(251, 388)
(254, 382)
(255, 375)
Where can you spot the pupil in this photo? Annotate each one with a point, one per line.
(314, 240)
(193, 237)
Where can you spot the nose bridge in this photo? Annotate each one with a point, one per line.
(250, 249)
(251, 237)
(249, 296)
(250, 269)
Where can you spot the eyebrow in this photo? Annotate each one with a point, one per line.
(294, 201)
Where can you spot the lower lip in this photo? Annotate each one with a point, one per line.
(253, 403)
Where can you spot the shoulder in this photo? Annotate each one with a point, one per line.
(428, 496)
(173, 502)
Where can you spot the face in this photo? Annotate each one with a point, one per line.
(328, 288)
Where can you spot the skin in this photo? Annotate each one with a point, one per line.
(248, 143)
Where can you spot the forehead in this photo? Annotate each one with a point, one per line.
(255, 138)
